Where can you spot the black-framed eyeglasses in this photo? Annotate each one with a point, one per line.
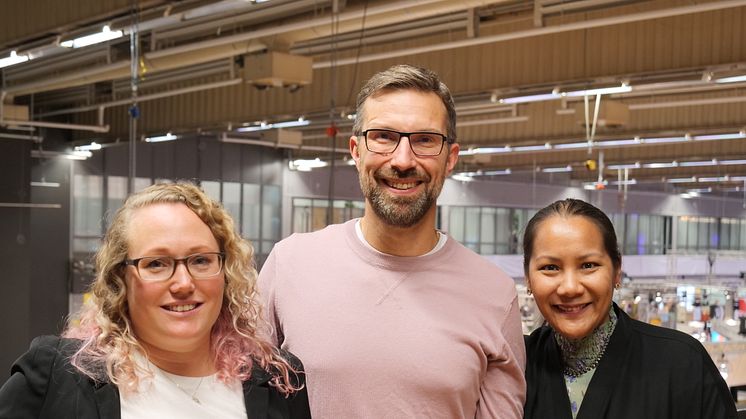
(422, 144)
(161, 268)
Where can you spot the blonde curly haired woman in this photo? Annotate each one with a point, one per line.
(173, 327)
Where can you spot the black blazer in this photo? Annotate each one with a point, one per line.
(43, 384)
(646, 372)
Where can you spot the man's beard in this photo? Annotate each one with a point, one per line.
(400, 211)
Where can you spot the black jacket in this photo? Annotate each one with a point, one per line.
(43, 384)
(646, 372)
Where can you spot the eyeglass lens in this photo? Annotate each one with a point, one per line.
(199, 266)
(422, 143)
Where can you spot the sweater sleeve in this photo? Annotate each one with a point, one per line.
(503, 390)
(266, 284)
(23, 395)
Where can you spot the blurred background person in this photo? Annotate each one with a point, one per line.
(591, 360)
(172, 328)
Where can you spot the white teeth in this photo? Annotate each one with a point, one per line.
(403, 186)
(185, 307)
(571, 309)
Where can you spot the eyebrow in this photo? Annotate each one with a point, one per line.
(583, 256)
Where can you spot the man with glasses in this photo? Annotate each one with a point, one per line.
(391, 317)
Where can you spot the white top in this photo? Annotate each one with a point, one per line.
(174, 396)
(441, 240)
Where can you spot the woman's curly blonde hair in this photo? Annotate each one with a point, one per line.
(238, 335)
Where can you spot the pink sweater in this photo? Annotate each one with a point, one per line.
(380, 336)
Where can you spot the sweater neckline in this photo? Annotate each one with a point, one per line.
(401, 263)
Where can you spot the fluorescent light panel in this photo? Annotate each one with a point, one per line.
(682, 180)
(664, 140)
(161, 138)
(541, 147)
(660, 165)
(733, 136)
(106, 34)
(602, 91)
(557, 169)
(614, 143)
(300, 122)
(712, 162)
(570, 145)
(635, 165)
(530, 98)
(12, 59)
(734, 79)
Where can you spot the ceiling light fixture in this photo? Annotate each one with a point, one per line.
(462, 177)
(733, 136)
(682, 180)
(635, 165)
(733, 79)
(712, 162)
(530, 98)
(545, 146)
(306, 165)
(616, 143)
(624, 88)
(300, 122)
(563, 169)
(664, 140)
(660, 165)
(14, 58)
(161, 138)
(89, 147)
(105, 35)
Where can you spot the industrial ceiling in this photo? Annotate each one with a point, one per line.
(649, 94)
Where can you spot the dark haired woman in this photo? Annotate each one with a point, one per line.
(591, 360)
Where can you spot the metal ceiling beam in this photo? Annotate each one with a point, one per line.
(589, 24)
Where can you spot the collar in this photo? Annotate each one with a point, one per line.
(581, 356)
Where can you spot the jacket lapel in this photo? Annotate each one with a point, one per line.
(557, 391)
(107, 401)
(256, 394)
(606, 377)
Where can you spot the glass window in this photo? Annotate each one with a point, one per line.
(471, 227)
(456, 223)
(212, 189)
(251, 212)
(88, 194)
(115, 195)
(503, 233)
(487, 227)
(271, 212)
(142, 183)
(691, 233)
(630, 236)
(232, 201)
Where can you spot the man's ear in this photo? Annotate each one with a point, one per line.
(355, 149)
(452, 158)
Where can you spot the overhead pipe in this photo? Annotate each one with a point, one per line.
(121, 69)
(691, 102)
(42, 124)
(615, 20)
(145, 98)
(250, 141)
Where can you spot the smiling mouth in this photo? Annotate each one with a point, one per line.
(181, 307)
(402, 186)
(570, 309)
